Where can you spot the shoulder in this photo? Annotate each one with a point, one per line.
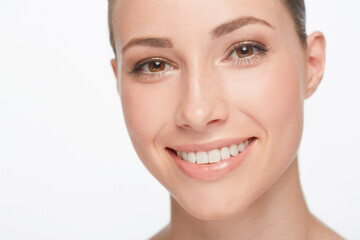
(320, 231)
(163, 234)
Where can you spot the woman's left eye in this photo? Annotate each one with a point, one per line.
(246, 51)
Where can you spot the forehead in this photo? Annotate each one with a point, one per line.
(188, 18)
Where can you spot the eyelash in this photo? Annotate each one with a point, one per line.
(259, 50)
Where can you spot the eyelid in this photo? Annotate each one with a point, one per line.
(236, 45)
(141, 63)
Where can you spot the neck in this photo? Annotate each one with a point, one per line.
(280, 213)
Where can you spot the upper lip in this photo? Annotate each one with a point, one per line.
(217, 144)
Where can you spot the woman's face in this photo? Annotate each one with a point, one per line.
(219, 70)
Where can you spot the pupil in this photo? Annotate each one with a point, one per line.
(244, 50)
(157, 65)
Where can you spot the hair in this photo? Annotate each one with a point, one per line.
(295, 7)
(111, 6)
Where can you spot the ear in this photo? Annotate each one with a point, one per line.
(315, 56)
(115, 69)
(114, 66)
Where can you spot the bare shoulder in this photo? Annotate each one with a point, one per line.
(163, 234)
(321, 231)
(318, 231)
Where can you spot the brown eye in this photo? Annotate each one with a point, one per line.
(156, 66)
(245, 51)
(152, 66)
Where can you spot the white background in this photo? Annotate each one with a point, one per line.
(67, 166)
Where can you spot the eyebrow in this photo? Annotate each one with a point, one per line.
(149, 41)
(217, 32)
(235, 24)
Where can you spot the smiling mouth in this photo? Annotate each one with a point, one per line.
(214, 155)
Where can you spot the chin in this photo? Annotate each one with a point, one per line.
(212, 212)
(211, 208)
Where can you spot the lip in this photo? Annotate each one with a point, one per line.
(208, 146)
(211, 171)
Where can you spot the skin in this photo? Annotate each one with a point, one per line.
(205, 94)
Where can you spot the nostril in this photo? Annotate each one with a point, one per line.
(183, 127)
(214, 121)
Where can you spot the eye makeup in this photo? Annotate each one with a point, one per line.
(241, 54)
(153, 64)
(245, 54)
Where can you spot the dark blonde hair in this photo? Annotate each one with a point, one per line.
(295, 7)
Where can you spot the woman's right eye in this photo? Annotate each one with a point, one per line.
(151, 66)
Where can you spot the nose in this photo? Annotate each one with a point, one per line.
(202, 103)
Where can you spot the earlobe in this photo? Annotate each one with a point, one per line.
(315, 61)
(114, 66)
(115, 69)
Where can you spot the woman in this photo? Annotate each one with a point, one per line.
(213, 94)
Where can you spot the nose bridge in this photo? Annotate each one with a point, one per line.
(201, 101)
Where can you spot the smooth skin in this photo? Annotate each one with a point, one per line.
(200, 91)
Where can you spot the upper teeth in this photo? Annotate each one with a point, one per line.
(215, 155)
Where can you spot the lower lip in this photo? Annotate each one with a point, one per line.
(211, 171)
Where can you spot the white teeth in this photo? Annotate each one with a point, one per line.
(191, 157)
(225, 153)
(234, 150)
(185, 156)
(202, 157)
(214, 156)
(241, 147)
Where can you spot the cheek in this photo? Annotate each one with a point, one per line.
(144, 109)
(272, 95)
(147, 110)
(279, 100)
(282, 115)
